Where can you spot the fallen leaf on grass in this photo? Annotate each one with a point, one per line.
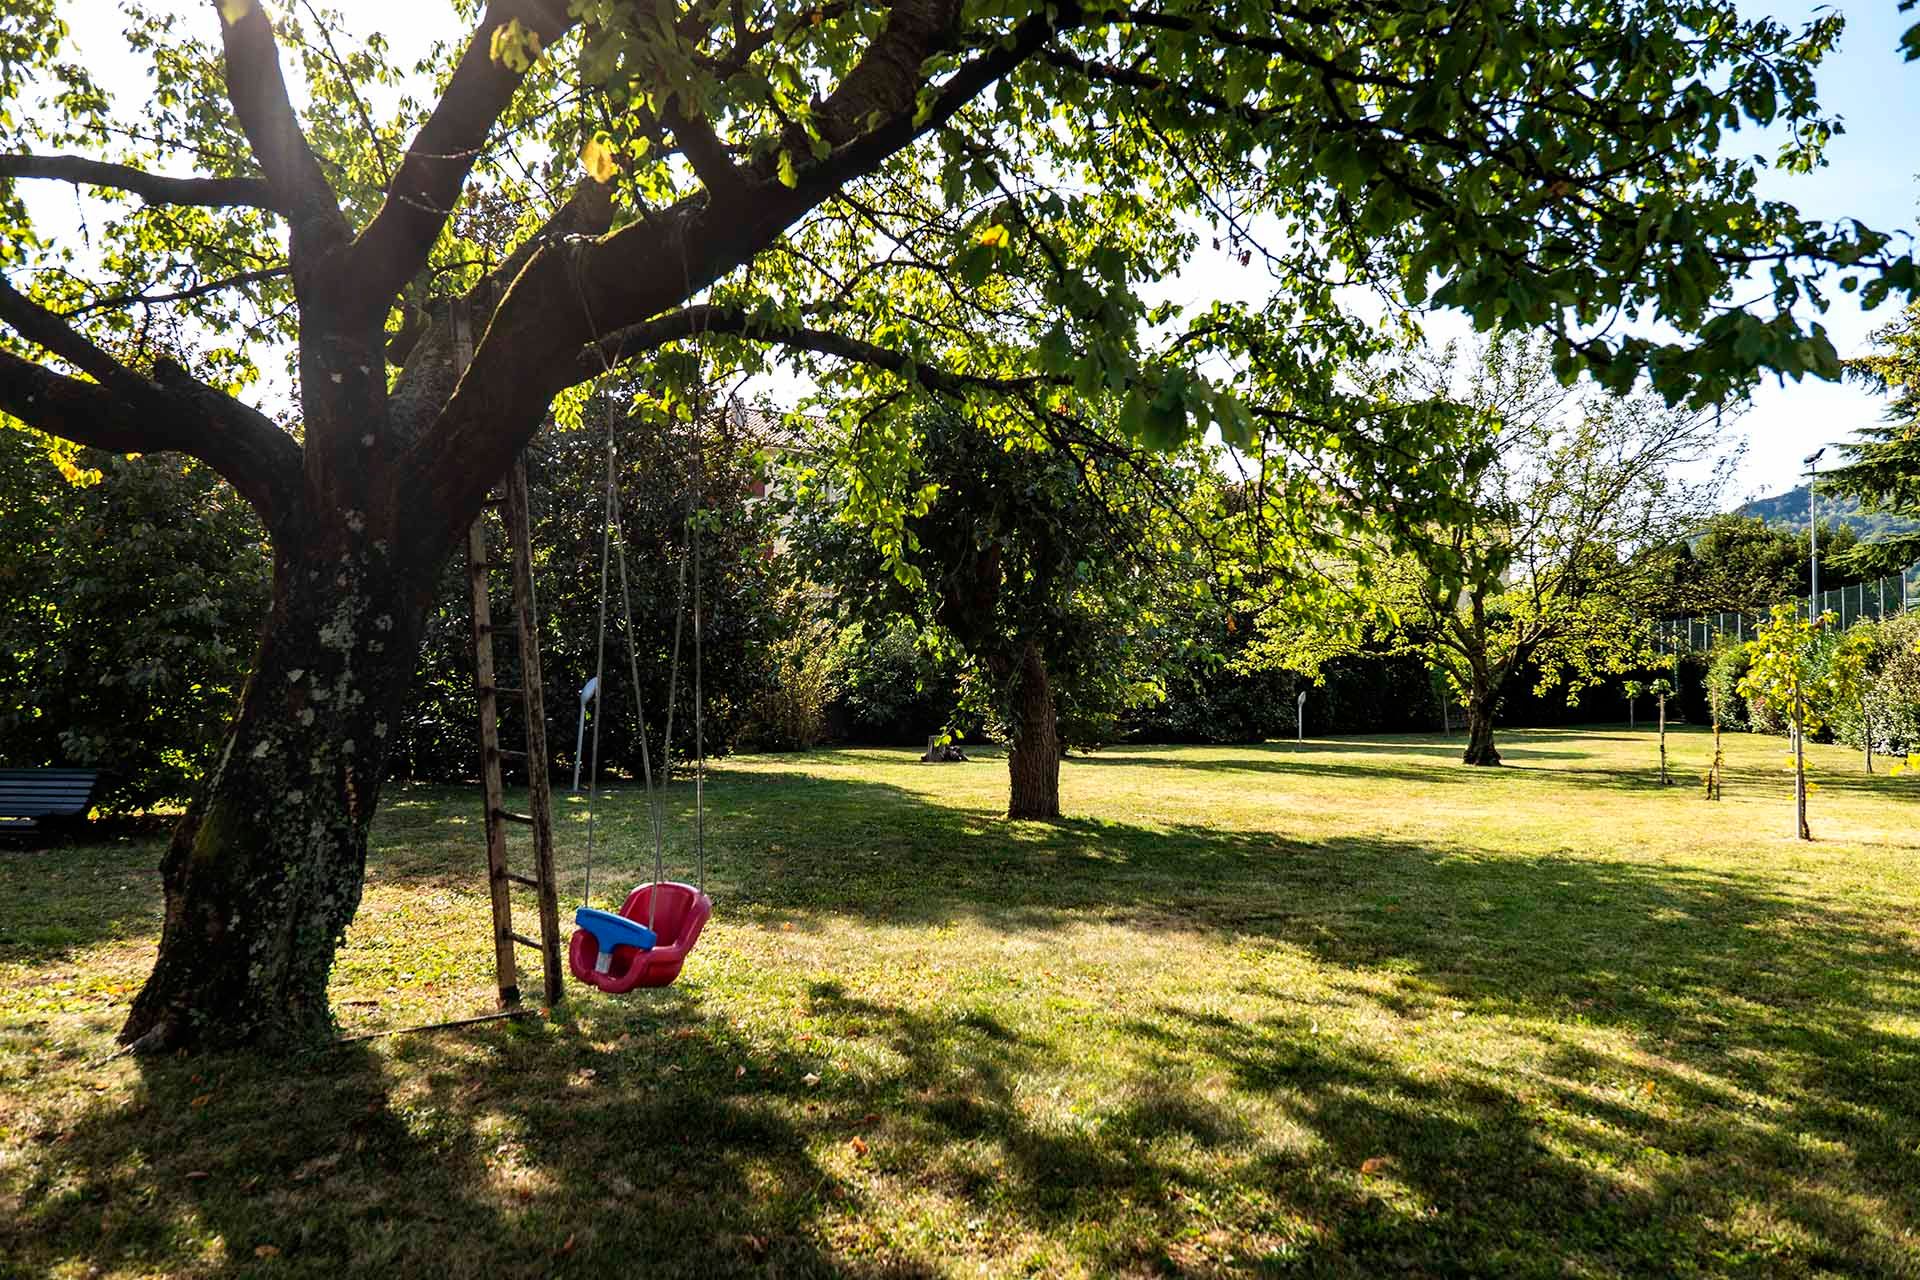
(266, 1251)
(195, 1175)
(202, 1100)
(810, 1079)
(738, 1072)
(859, 1145)
(1376, 1164)
(568, 1246)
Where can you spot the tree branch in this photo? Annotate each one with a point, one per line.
(424, 189)
(259, 96)
(570, 293)
(179, 295)
(637, 340)
(127, 412)
(217, 193)
(179, 415)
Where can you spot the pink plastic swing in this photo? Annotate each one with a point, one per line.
(678, 917)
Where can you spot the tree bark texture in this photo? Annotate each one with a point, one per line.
(1033, 764)
(1480, 748)
(264, 872)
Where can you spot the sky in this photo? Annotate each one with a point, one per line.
(1873, 174)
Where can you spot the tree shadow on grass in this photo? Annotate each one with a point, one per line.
(623, 1139)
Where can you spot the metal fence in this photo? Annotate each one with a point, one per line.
(1879, 598)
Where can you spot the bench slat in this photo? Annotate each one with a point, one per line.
(46, 793)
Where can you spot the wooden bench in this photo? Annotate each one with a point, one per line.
(29, 795)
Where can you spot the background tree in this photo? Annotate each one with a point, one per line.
(670, 469)
(1785, 674)
(774, 177)
(1050, 569)
(131, 590)
(1740, 564)
(1551, 562)
(1883, 468)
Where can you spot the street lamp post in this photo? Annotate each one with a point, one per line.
(1813, 535)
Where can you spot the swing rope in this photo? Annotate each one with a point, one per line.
(612, 546)
(600, 655)
(612, 538)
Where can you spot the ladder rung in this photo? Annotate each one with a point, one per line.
(524, 819)
(507, 753)
(517, 878)
(524, 940)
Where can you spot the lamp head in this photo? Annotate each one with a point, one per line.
(1815, 456)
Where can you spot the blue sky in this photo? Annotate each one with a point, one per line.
(1873, 174)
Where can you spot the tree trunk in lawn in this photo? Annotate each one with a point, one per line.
(1480, 748)
(1800, 784)
(1664, 779)
(1866, 730)
(264, 872)
(1033, 765)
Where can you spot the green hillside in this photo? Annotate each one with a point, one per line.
(1789, 510)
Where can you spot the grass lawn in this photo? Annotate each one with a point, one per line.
(1346, 1008)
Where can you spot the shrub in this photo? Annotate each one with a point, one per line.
(130, 604)
(1725, 667)
(892, 686)
(797, 681)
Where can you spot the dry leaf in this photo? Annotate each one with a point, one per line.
(195, 1175)
(859, 1145)
(266, 1251)
(683, 1033)
(597, 158)
(810, 1079)
(738, 1072)
(202, 1100)
(568, 1246)
(1375, 1164)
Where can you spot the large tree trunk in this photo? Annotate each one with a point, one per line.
(264, 872)
(1480, 748)
(1033, 765)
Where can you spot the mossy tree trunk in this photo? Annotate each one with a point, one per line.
(264, 872)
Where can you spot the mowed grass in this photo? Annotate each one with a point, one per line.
(1345, 1008)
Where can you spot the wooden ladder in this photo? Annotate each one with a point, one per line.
(500, 878)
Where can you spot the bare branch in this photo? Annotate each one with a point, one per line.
(117, 300)
(425, 187)
(218, 193)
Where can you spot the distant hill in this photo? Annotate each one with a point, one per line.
(1789, 511)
